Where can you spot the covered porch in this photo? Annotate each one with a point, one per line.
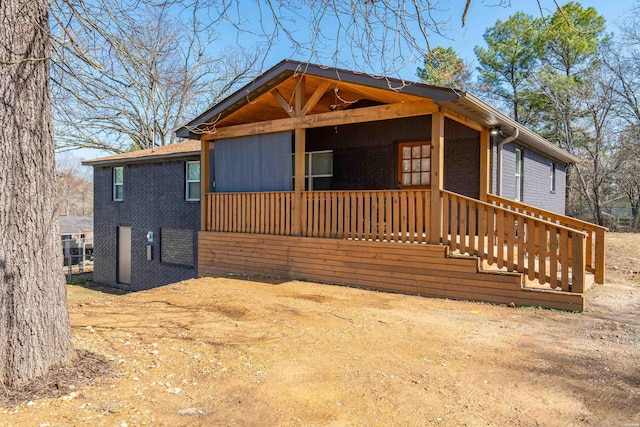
(406, 209)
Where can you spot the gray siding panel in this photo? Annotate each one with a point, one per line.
(494, 166)
(537, 183)
(536, 179)
(254, 163)
(154, 197)
(509, 171)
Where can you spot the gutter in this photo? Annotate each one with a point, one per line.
(500, 145)
(529, 138)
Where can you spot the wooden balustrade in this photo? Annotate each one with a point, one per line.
(594, 247)
(543, 250)
(550, 251)
(266, 213)
(398, 215)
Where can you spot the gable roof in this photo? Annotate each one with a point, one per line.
(249, 104)
(179, 149)
(625, 199)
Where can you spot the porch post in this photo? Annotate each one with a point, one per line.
(298, 180)
(299, 135)
(204, 184)
(437, 170)
(485, 167)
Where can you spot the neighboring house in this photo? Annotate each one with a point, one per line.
(340, 177)
(76, 233)
(620, 213)
(147, 214)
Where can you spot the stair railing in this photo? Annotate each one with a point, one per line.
(540, 249)
(595, 233)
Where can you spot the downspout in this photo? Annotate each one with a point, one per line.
(507, 140)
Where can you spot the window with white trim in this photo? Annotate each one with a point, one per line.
(118, 184)
(518, 180)
(192, 174)
(317, 165)
(552, 177)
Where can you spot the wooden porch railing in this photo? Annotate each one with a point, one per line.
(266, 213)
(540, 249)
(549, 251)
(398, 215)
(595, 234)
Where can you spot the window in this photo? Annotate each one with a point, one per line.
(552, 176)
(414, 164)
(318, 166)
(118, 184)
(518, 180)
(193, 181)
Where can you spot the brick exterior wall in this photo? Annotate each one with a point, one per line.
(461, 159)
(154, 197)
(365, 156)
(536, 178)
(176, 246)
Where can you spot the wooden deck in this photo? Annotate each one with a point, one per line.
(413, 268)
(401, 240)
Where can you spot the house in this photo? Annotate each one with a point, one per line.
(323, 174)
(619, 212)
(147, 214)
(76, 234)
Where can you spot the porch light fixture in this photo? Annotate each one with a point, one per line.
(495, 131)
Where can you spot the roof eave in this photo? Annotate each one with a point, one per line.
(286, 68)
(276, 74)
(149, 158)
(442, 96)
(539, 143)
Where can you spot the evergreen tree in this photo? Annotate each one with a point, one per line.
(443, 67)
(508, 60)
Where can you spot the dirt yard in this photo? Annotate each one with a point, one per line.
(231, 351)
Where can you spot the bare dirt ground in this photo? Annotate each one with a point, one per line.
(233, 351)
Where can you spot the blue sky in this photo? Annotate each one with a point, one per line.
(481, 15)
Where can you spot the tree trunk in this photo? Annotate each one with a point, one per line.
(34, 322)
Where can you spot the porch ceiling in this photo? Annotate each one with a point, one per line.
(256, 103)
(266, 107)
